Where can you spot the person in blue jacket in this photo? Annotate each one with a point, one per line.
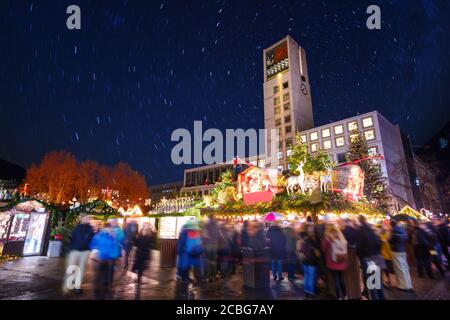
(190, 251)
(105, 245)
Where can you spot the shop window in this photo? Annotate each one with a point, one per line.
(326, 133)
(339, 129)
(313, 136)
(367, 122)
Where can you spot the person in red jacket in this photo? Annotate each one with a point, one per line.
(334, 246)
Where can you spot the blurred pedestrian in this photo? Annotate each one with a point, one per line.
(210, 237)
(190, 250)
(398, 241)
(130, 233)
(291, 240)
(352, 275)
(421, 246)
(143, 242)
(224, 250)
(105, 247)
(277, 245)
(335, 249)
(435, 247)
(80, 240)
(244, 234)
(368, 247)
(310, 255)
(444, 239)
(387, 255)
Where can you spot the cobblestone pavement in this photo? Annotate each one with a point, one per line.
(41, 278)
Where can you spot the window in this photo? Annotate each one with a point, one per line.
(254, 163)
(288, 152)
(340, 141)
(313, 136)
(314, 147)
(286, 97)
(280, 145)
(277, 110)
(276, 101)
(280, 155)
(277, 122)
(262, 163)
(288, 129)
(339, 129)
(285, 85)
(276, 89)
(287, 119)
(326, 133)
(373, 151)
(326, 144)
(352, 126)
(369, 134)
(341, 158)
(289, 142)
(280, 168)
(367, 122)
(303, 138)
(287, 106)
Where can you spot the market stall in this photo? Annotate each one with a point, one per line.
(25, 228)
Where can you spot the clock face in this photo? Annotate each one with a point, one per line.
(304, 89)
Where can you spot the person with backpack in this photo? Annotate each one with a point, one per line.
(310, 255)
(190, 250)
(334, 247)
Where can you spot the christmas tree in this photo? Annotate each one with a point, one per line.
(375, 188)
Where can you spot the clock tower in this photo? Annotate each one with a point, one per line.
(287, 96)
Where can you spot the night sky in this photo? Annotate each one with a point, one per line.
(137, 70)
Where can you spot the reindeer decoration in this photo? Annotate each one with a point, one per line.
(325, 179)
(297, 180)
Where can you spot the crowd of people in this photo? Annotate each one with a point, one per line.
(348, 258)
(352, 258)
(106, 245)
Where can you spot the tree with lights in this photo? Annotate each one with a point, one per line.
(375, 188)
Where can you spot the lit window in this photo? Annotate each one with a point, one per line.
(369, 134)
(288, 152)
(287, 106)
(276, 101)
(276, 89)
(340, 141)
(303, 138)
(277, 110)
(254, 163)
(352, 126)
(327, 144)
(288, 129)
(314, 147)
(339, 129)
(277, 122)
(262, 163)
(285, 85)
(286, 97)
(367, 122)
(280, 155)
(373, 151)
(313, 136)
(326, 133)
(287, 119)
(280, 168)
